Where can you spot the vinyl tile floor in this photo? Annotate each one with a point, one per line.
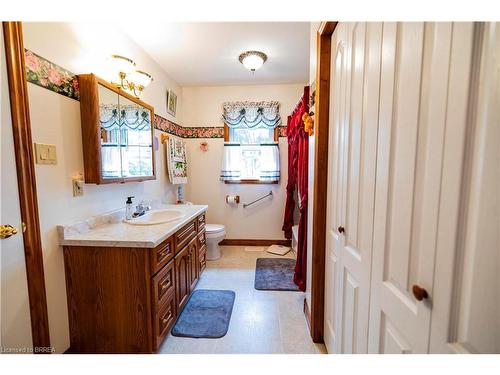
(262, 322)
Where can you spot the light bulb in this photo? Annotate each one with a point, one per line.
(252, 60)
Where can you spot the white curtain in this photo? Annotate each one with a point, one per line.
(254, 162)
(269, 162)
(231, 163)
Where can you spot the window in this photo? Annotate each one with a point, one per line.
(251, 152)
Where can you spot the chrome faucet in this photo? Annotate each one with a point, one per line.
(141, 209)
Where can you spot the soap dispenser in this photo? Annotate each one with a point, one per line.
(128, 208)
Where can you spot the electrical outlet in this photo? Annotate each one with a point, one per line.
(77, 187)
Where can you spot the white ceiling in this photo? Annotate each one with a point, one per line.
(206, 54)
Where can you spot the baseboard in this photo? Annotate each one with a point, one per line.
(307, 313)
(68, 351)
(253, 242)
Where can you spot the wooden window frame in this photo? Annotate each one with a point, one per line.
(247, 181)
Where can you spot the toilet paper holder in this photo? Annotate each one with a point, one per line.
(232, 199)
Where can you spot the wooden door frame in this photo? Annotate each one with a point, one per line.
(322, 105)
(28, 201)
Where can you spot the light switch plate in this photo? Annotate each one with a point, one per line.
(45, 154)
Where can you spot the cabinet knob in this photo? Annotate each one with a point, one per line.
(419, 293)
(341, 229)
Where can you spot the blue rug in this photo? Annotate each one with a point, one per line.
(275, 274)
(206, 314)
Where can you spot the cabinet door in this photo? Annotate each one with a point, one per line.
(110, 133)
(193, 263)
(182, 277)
(136, 143)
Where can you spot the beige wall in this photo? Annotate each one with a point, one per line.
(55, 119)
(204, 108)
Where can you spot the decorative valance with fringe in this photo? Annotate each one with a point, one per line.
(251, 114)
(112, 116)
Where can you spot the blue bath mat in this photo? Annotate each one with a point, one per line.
(206, 315)
(275, 274)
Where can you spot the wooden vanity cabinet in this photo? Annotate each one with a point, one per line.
(126, 300)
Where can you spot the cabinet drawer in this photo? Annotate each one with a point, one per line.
(163, 284)
(202, 238)
(185, 234)
(162, 254)
(202, 258)
(165, 319)
(201, 222)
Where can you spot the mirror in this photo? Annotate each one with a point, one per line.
(125, 136)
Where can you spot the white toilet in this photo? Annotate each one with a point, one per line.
(215, 233)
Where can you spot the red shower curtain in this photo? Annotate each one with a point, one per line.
(298, 148)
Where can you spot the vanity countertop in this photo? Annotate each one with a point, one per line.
(109, 230)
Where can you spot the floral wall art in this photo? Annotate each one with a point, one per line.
(46, 74)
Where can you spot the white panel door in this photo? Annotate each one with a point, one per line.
(353, 143)
(335, 190)
(15, 321)
(422, 82)
(466, 314)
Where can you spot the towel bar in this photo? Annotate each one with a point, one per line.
(245, 205)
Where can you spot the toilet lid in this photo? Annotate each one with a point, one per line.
(214, 228)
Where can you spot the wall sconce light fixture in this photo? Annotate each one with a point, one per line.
(132, 80)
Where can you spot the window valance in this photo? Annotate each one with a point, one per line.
(251, 114)
(111, 117)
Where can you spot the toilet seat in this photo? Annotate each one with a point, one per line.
(214, 228)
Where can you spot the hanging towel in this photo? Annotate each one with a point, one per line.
(176, 161)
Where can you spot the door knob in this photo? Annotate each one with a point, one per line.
(419, 293)
(341, 229)
(7, 230)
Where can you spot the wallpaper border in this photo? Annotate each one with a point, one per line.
(53, 77)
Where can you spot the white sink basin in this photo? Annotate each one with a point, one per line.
(157, 217)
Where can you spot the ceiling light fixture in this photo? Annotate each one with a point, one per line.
(131, 80)
(252, 60)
